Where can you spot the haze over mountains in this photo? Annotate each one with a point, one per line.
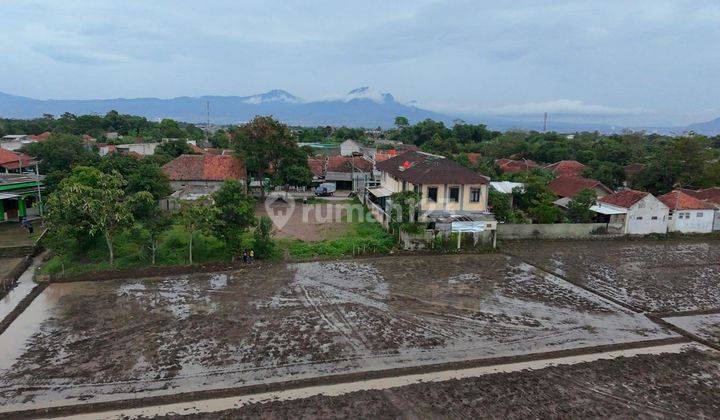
(361, 107)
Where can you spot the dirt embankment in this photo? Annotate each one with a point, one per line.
(684, 385)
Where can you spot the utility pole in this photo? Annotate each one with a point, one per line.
(207, 124)
(545, 124)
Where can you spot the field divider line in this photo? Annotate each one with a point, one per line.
(338, 379)
(578, 284)
(685, 333)
(678, 314)
(21, 306)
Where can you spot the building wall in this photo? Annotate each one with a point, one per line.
(648, 215)
(176, 185)
(716, 224)
(550, 231)
(348, 147)
(444, 203)
(692, 221)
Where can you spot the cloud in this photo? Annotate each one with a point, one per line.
(562, 106)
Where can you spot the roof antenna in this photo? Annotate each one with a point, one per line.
(545, 124)
(207, 124)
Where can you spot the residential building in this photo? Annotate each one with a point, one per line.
(20, 196)
(687, 213)
(206, 170)
(511, 166)
(566, 187)
(565, 168)
(13, 162)
(633, 212)
(193, 177)
(712, 196)
(15, 142)
(349, 172)
(449, 192)
(349, 148)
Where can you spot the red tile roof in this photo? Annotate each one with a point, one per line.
(474, 158)
(383, 155)
(348, 164)
(317, 166)
(509, 166)
(679, 200)
(566, 167)
(624, 199)
(569, 186)
(205, 167)
(708, 194)
(13, 160)
(424, 168)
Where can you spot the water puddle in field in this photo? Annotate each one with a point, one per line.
(23, 287)
(13, 340)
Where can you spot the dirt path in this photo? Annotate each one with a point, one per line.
(221, 404)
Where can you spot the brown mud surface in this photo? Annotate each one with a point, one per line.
(684, 385)
(122, 339)
(706, 326)
(654, 276)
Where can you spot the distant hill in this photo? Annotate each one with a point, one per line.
(361, 107)
(709, 128)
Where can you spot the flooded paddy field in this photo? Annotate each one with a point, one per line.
(706, 326)
(112, 340)
(682, 385)
(656, 276)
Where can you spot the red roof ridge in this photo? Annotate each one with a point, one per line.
(680, 200)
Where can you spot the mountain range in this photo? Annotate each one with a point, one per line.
(361, 107)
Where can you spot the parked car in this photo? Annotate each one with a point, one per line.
(325, 189)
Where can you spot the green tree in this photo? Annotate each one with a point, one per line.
(94, 200)
(174, 148)
(263, 142)
(262, 242)
(579, 207)
(500, 205)
(401, 122)
(149, 177)
(196, 217)
(235, 214)
(152, 221)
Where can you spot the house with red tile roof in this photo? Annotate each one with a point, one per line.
(569, 186)
(204, 170)
(15, 162)
(510, 166)
(633, 212)
(349, 172)
(566, 167)
(688, 214)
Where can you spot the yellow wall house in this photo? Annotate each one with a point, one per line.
(450, 193)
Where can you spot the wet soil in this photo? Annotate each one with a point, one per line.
(120, 339)
(654, 276)
(684, 385)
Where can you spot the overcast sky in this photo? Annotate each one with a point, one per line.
(650, 61)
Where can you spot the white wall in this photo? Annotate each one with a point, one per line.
(691, 221)
(648, 215)
(348, 147)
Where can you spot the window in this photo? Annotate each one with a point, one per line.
(654, 218)
(687, 215)
(699, 214)
(454, 194)
(638, 218)
(682, 216)
(475, 195)
(432, 194)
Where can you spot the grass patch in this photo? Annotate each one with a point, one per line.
(362, 238)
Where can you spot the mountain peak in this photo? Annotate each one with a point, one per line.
(366, 92)
(275, 95)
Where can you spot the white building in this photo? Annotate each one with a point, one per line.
(633, 213)
(349, 148)
(15, 142)
(687, 213)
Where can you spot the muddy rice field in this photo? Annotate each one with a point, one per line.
(655, 276)
(683, 385)
(103, 341)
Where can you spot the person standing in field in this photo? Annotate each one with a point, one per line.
(252, 255)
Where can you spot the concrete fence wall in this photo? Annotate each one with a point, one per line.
(553, 231)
